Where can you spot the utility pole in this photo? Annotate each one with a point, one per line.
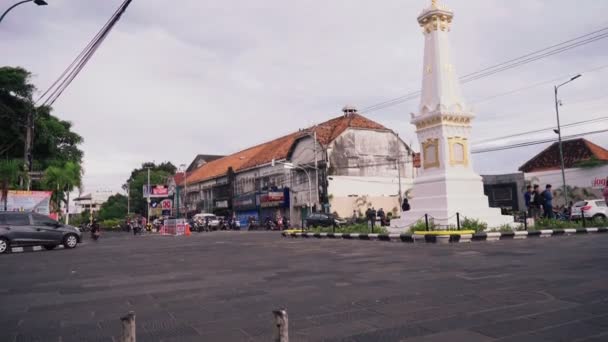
(316, 166)
(27, 154)
(559, 137)
(148, 196)
(185, 195)
(399, 179)
(128, 199)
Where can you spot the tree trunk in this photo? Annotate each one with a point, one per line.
(67, 210)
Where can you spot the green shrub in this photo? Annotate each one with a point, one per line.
(421, 225)
(544, 223)
(473, 224)
(505, 228)
(110, 224)
(351, 229)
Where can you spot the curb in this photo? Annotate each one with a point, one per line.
(457, 238)
(31, 249)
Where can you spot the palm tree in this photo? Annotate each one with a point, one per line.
(10, 173)
(63, 180)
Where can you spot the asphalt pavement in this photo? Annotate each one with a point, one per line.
(223, 286)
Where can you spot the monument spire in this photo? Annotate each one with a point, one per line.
(447, 183)
(440, 86)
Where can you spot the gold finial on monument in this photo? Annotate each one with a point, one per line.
(434, 4)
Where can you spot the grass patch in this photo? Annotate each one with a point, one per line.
(444, 232)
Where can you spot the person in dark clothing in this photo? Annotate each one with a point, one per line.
(405, 206)
(368, 215)
(528, 199)
(95, 230)
(382, 217)
(547, 196)
(373, 215)
(537, 202)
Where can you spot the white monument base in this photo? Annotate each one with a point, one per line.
(441, 196)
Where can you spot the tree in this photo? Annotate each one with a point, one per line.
(62, 180)
(54, 142)
(11, 171)
(159, 174)
(115, 207)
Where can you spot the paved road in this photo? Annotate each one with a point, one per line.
(222, 287)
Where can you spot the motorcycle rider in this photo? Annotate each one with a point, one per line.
(95, 230)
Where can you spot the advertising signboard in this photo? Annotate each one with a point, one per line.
(272, 199)
(36, 201)
(157, 191)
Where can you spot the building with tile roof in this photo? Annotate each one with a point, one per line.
(586, 170)
(355, 158)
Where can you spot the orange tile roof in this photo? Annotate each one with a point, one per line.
(279, 148)
(575, 151)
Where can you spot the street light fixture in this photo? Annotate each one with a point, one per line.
(37, 2)
(291, 166)
(559, 137)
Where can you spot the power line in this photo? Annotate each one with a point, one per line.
(578, 123)
(513, 63)
(68, 75)
(536, 85)
(536, 142)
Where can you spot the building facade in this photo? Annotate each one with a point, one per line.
(329, 167)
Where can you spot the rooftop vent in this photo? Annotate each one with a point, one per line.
(349, 110)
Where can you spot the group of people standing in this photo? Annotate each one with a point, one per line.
(539, 204)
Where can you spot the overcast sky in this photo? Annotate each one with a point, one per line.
(178, 78)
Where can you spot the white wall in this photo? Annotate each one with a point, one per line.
(576, 177)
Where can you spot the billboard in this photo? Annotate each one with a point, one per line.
(36, 201)
(157, 191)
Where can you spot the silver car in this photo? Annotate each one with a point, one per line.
(18, 229)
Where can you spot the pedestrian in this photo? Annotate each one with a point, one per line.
(537, 202)
(547, 196)
(382, 217)
(368, 215)
(528, 199)
(405, 206)
(373, 217)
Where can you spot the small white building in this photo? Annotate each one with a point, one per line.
(91, 201)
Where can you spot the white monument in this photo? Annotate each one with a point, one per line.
(447, 183)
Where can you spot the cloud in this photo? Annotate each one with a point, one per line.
(175, 79)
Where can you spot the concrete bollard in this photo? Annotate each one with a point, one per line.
(282, 323)
(128, 327)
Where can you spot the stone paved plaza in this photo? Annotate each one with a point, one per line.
(223, 286)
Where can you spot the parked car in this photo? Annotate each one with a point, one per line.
(214, 221)
(19, 229)
(593, 209)
(323, 220)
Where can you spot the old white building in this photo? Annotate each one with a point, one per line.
(343, 165)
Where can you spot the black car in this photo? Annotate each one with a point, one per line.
(323, 220)
(19, 229)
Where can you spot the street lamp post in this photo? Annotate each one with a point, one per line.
(559, 137)
(37, 2)
(294, 166)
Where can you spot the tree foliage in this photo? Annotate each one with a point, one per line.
(10, 172)
(54, 142)
(159, 174)
(114, 208)
(62, 180)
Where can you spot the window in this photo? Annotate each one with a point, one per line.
(43, 220)
(17, 219)
(600, 203)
